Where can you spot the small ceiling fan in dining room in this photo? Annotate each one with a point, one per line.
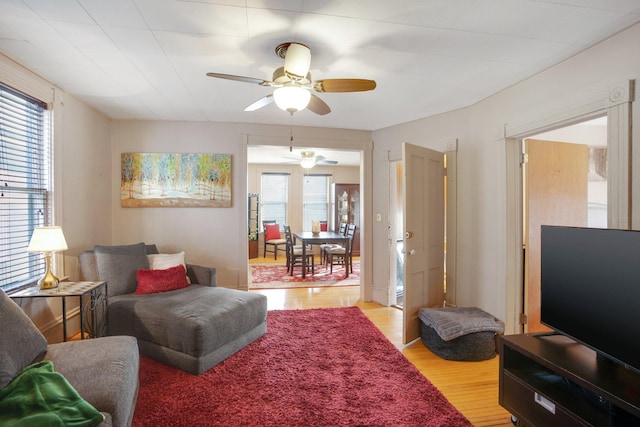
(309, 159)
(294, 84)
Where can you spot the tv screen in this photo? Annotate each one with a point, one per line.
(590, 289)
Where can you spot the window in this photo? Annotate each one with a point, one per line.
(274, 197)
(315, 200)
(25, 170)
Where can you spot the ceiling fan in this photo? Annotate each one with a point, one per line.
(294, 84)
(309, 159)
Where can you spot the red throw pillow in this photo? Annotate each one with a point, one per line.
(272, 232)
(152, 281)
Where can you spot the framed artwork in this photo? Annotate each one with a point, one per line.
(175, 180)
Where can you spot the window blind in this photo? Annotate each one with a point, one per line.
(315, 200)
(25, 185)
(274, 197)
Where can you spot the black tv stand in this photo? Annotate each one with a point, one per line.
(557, 381)
(545, 334)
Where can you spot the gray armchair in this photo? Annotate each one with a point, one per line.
(103, 371)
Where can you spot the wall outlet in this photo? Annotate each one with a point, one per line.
(378, 217)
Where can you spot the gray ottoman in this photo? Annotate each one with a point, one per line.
(459, 333)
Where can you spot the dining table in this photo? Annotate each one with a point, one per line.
(308, 238)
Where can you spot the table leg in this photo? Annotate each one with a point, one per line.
(304, 259)
(81, 319)
(347, 259)
(94, 308)
(64, 319)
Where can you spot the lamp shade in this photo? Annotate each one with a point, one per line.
(291, 98)
(47, 239)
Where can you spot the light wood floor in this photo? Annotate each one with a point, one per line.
(472, 387)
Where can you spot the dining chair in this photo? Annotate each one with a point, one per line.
(294, 254)
(272, 237)
(326, 246)
(342, 255)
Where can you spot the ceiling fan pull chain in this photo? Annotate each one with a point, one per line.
(291, 134)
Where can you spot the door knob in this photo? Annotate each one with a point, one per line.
(408, 234)
(412, 252)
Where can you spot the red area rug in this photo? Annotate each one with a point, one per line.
(275, 276)
(321, 367)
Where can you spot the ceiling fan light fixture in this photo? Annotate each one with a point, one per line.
(307, 162)
(297, 61)
(291, 98)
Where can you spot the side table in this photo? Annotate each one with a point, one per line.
(97, 293)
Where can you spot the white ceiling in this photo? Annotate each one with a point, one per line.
(147, 59)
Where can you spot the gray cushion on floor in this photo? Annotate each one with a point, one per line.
(20, 341)
(459, 333)
(454, 322)
(471, 347)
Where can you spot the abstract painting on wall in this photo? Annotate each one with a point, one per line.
(175, 180)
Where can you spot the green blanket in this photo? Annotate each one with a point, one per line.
(38, 396)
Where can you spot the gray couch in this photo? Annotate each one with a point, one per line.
(193, 328)
(103, 371)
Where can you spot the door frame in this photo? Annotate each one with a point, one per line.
(394, 226)
(365, 147)
(614, 102)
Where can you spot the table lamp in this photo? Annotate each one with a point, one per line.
(47, 240)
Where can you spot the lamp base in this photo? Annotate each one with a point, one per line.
(48, 281)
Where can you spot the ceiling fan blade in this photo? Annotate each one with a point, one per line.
(344, 85)
(318, 106)
(327, 162)
(240, 78)
(265, 100)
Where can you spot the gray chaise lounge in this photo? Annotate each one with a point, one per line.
(193, 328)
(104, 371)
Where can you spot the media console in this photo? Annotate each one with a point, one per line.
(551, 380)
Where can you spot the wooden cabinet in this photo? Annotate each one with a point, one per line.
(345, 207)
(551, 380)
(253, 207)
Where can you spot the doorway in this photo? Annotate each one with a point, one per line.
(564, 181)
(396, 233)
(301, 202)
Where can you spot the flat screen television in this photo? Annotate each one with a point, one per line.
(590, 289)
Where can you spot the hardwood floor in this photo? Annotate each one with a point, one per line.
(472, 387)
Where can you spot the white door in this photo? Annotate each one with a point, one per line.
(423, 196)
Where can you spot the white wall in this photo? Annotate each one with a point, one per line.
(482, 159)
(85, 175)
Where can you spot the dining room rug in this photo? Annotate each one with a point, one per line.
(275, 276)
(317, 367)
